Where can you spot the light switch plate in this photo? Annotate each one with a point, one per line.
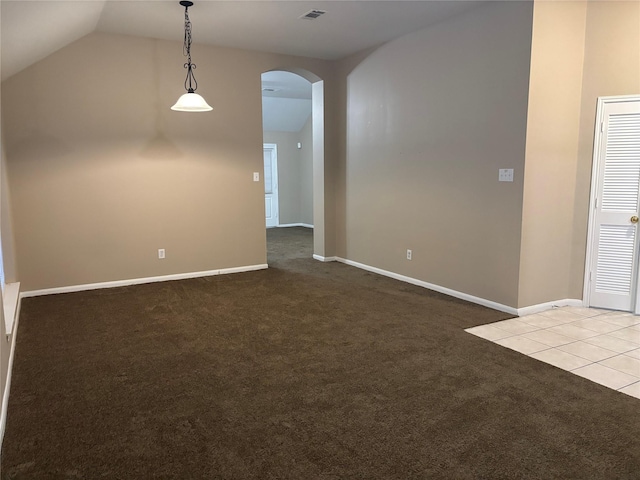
(505, 175)
(256, 176)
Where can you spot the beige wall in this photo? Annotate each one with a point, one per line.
(431, 117)
(343, 69)
(6, 223)
(294, 174)
(557, 56)
(103, 173)
(5, 343)
(581, 51)
(611, 67)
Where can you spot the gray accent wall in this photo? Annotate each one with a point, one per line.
(431, 117)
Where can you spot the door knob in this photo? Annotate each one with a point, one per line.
(634, 219)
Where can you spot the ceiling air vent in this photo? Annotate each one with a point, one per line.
(312, 14)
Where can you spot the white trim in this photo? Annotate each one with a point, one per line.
(586, 285)
(324, 259)
(463, 296)
(138, 281)
(284, 225)
(595, 168)
(431, 286)
(7, 386)
(541, 307)
(11, 305)
(275, 191)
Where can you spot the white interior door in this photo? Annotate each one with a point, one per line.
(271, 184)
(613, 274)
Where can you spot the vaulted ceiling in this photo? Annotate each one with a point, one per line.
(33, 29)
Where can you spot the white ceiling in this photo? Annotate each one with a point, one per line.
(286, 101)
(33, 29)
(285, 85)
(30, 31)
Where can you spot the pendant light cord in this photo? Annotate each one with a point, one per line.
(190, 101)
(190, 83)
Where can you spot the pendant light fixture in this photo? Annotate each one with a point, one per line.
(190, 101)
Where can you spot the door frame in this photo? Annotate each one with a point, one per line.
(595, 169)
(324, 226)
(274, 175)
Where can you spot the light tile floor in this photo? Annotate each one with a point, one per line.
(600, 345)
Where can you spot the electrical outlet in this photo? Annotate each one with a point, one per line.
(409, 254)
(505, 175)
(161, 253)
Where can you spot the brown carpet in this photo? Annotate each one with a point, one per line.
(303, 371)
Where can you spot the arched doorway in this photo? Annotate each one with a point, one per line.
(293, 122)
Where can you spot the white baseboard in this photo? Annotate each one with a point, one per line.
(226, 271)
(464, 296)
(286, 225)
(541, 307)
(7, 386)
(431, 286)
(138, 281)
(324, 259)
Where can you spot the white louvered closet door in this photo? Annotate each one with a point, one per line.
(614, 267)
